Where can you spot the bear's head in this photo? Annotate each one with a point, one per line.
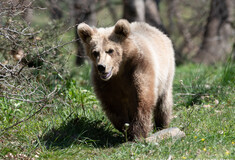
(104, 46)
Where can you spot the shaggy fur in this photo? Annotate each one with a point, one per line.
(132, 72)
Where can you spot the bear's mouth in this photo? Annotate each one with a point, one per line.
(106, 76)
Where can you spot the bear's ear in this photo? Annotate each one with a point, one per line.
(85, 32)
(122, 28)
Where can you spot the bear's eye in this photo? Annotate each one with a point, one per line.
(110, 51)
(95, 53)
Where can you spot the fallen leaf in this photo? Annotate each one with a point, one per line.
(207, 106)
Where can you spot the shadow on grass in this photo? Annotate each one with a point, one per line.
(82, 131)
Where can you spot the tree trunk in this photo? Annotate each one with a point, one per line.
(134, 10)
(143, 11)
(55, 10)
(83, 11)
(219, 33)
(152, 15)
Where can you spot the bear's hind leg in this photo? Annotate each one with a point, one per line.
(162, 111)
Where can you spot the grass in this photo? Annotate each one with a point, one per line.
(203, 109)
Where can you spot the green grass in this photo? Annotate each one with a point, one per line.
(203, 109)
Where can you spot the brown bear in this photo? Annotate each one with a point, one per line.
(132, 73)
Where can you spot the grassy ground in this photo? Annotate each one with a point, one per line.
(203, 109)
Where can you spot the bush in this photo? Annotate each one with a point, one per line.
(33, 64)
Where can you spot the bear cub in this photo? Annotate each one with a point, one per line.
(132, 72)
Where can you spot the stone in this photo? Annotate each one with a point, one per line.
(174, 133)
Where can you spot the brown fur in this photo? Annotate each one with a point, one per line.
(132, 73)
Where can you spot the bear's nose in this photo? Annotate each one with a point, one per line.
(101, 68)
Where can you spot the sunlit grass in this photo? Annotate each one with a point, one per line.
(79, 129)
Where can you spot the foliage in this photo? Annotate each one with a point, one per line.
(32, 65)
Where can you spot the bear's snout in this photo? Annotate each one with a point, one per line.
(104, 73)
(101, 68)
